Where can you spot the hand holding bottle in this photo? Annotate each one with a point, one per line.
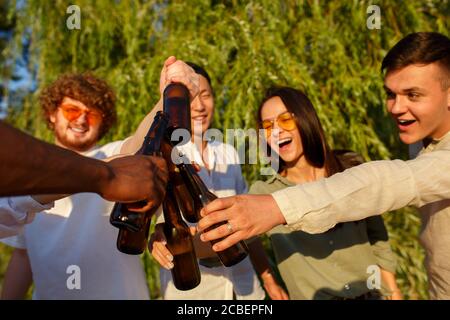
(178, 71)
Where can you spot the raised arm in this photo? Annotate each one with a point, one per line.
(173, 71)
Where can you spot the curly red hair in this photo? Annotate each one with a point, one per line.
(86, 88)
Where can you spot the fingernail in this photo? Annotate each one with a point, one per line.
(170, 257)
(215, 247)
(202, 237)
(170, 265)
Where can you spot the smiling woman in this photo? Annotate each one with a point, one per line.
(334, 264)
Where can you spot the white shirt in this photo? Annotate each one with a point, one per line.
(225, 179)
(74, 241)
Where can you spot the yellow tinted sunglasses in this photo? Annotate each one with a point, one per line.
(72, 113)
(285, 121)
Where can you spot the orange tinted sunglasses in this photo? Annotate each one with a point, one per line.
(285, 121)
(71, 113)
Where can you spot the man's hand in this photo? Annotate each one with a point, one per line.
(177, 71)
(135, 178)
(247, 216)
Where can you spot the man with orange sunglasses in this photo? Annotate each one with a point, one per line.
(75, 231)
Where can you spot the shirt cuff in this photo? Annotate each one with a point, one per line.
(22, 206)
(291, 212)
(17, 241)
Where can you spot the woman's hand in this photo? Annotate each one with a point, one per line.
(273, 289)
(158, 249)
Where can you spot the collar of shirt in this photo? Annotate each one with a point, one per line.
(277, 177)
(435, 142)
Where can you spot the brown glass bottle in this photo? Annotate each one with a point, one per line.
(185, 273)
(177, 106)
(178, 109)
(134, 226)
(201, 197)
(133, 242)
(120, 216)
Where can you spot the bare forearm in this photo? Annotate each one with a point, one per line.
(30, 166)
(389, 280)
(18, 277)
(262, 266)
(133, 144)
(259, 258)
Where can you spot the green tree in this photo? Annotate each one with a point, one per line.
(6, 25)
(324, 48)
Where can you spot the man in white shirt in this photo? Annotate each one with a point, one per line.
(417, 83)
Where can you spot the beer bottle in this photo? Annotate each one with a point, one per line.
(178, 109)
(133, 242)
(185, 273)
(134, 226)
(177, 106)
(202, 196)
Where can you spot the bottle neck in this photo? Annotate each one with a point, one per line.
(176, 104)
(155, 135)
(195, 184)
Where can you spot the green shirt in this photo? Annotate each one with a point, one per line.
(331, 264)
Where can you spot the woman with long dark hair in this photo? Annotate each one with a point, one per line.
(353, 260)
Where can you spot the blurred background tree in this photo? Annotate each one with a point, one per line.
(324, 48)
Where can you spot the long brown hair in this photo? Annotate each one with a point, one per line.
(315, 147)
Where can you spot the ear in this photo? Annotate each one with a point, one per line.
(448, 96)
(52, 117)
